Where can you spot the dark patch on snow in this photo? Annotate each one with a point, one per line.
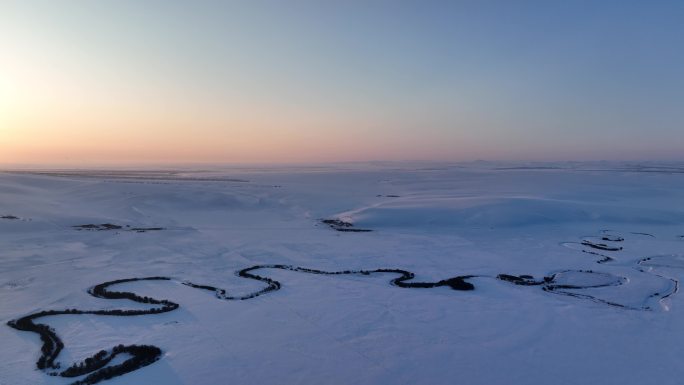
(601, 246)
(101, 227)
(340, 225)
(146, 229)
(522, 280)
(110, 226)
(612, 238)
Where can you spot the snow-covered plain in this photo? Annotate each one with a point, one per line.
(605, 315)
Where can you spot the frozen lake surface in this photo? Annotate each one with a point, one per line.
(574, 270)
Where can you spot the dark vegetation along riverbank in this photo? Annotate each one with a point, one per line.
(142, 355)
(98, 367)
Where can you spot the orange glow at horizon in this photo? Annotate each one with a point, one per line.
(53, 111)
(58, 113)
(67, 133)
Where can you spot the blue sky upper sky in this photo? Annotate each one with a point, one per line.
(289, 81)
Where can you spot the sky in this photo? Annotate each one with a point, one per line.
(160, 81)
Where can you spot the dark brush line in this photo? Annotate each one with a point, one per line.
(617, 238)
(548, 285)
(601, 246)
(675, 282)
(646, 234)
(612, 238)
(604, 258)
(110, 227)
(595, 299)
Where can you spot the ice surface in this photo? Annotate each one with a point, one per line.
(591, 254)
